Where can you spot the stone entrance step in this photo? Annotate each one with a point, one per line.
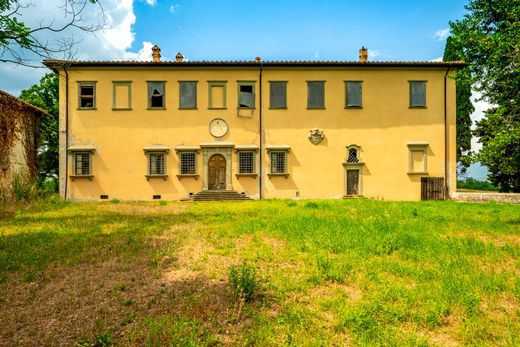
(219, 195)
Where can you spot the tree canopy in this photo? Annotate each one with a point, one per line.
(489, 35)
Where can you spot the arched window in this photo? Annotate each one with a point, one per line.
(352, 155)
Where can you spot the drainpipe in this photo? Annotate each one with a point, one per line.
(446, 135)
(66, 130)
(260, 131)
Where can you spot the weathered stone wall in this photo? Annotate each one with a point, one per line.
(484, 197)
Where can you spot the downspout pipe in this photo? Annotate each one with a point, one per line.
(66, 131)
(446, 135)
(260, 133)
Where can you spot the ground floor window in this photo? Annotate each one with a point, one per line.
(278, 162)
(156, 164)
(246, 162)
(188, 163)
(82, 164)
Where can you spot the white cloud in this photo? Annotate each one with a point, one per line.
(144, 54)
(175, 8)
(478, 114)
(151, 2)
(442, 34)
(316, 55)
(373, 53)
(436, 59)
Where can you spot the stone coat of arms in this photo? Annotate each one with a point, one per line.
(316, 136)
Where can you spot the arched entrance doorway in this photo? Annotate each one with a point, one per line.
(216, 172)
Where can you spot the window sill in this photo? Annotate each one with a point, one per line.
(277, 108)
(316, 108)
(418, 173)
(86, 108)
(353, 107)
(417, 107)
(246, 108)
(156, 108)
(188, 108)
(286, 175)
(164, 177)
(73, 177)
(252, 175)
(348, 163)
(122, 109)
(217, 108)
(196, 176)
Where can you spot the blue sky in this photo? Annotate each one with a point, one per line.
(324, 30)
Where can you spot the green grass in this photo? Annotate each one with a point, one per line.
(329, 272)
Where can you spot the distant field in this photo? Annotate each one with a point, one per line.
(330, 273)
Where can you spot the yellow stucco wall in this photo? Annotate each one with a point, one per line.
(382, 128)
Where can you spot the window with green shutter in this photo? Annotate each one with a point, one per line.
(353, 94)
(417, 93)
(316, 94)
(277, 94)
(187, 94)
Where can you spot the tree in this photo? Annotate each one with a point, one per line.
(19, 42)
(489, 35)
(453, 51)
(45, 95)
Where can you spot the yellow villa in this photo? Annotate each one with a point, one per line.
(204, 130)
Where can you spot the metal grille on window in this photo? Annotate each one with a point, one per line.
(246, 97)
(188, 163)
(86, 96)
(316, 94)
(156, 163)
(278, 162)
(82, 164)
(352, 156)
(246, 162)
(278, 95)
(188, 97)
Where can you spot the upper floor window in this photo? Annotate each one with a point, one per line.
(187, 94)
(316, 94)
(217, 94)
(417, 93)
(122, 95)
(87, 95)
(156, 95)
(277, 94)
(246, 94)
(353, 94)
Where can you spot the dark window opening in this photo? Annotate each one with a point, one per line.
(352, 156)
(157, 99)
(86, 96)
(246, 96)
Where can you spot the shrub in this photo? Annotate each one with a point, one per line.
(473, 184)
(243, 281)
(310, 204)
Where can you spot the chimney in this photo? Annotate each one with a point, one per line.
(257, 59)
(179, 58)
(156, 54)
(363, 55)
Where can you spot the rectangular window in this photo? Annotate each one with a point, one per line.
(187, 94)
(217, 94)
(246, 94)
(277, 94)
(353, 94)
(87, 95)
(82, 164)
(156, 163)
(417, 93)
(279, 162)
(417, 158)
(121, 92)
(315, 94)
(156, 97)
(246, 162)
(188, 163)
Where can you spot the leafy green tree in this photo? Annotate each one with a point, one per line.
(490, 38)
(19, 42)
(453, 51)
(45, 95)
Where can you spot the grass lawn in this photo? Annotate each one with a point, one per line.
(330, 273)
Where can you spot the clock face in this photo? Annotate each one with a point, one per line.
(218, 127)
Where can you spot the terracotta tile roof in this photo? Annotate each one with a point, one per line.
(243, 63)
(24, 103)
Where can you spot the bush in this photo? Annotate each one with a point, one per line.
(243, 281)
(473, 184)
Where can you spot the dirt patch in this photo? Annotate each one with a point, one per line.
(443, 335)
(144, 209)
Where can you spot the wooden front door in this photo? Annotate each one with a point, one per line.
(216, 172)
(352, 182)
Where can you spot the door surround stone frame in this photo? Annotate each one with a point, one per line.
(225, 149)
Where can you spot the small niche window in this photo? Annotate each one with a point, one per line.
(87, 95)
(156, 95)
(187, 94)
(417, 158)
(246, 94)
(246, 162)
(217, 94)
(122, 95)
(353, 92)
(417, 94)
(188, 163)
(277, 94)
(316, 94)
(82, 164)
(352, 155)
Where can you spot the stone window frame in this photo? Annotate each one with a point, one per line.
(309, 107)
(211, 84)
(246, 83)
(180, 150)
(149, 97)
(354, 165)
(196, 93)
(92, 84)
(155, 150)
(121, 83)
(285, 149)
(347, 106)
(419, 147)
(410, 105)
(249, 149)
(73, 151)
